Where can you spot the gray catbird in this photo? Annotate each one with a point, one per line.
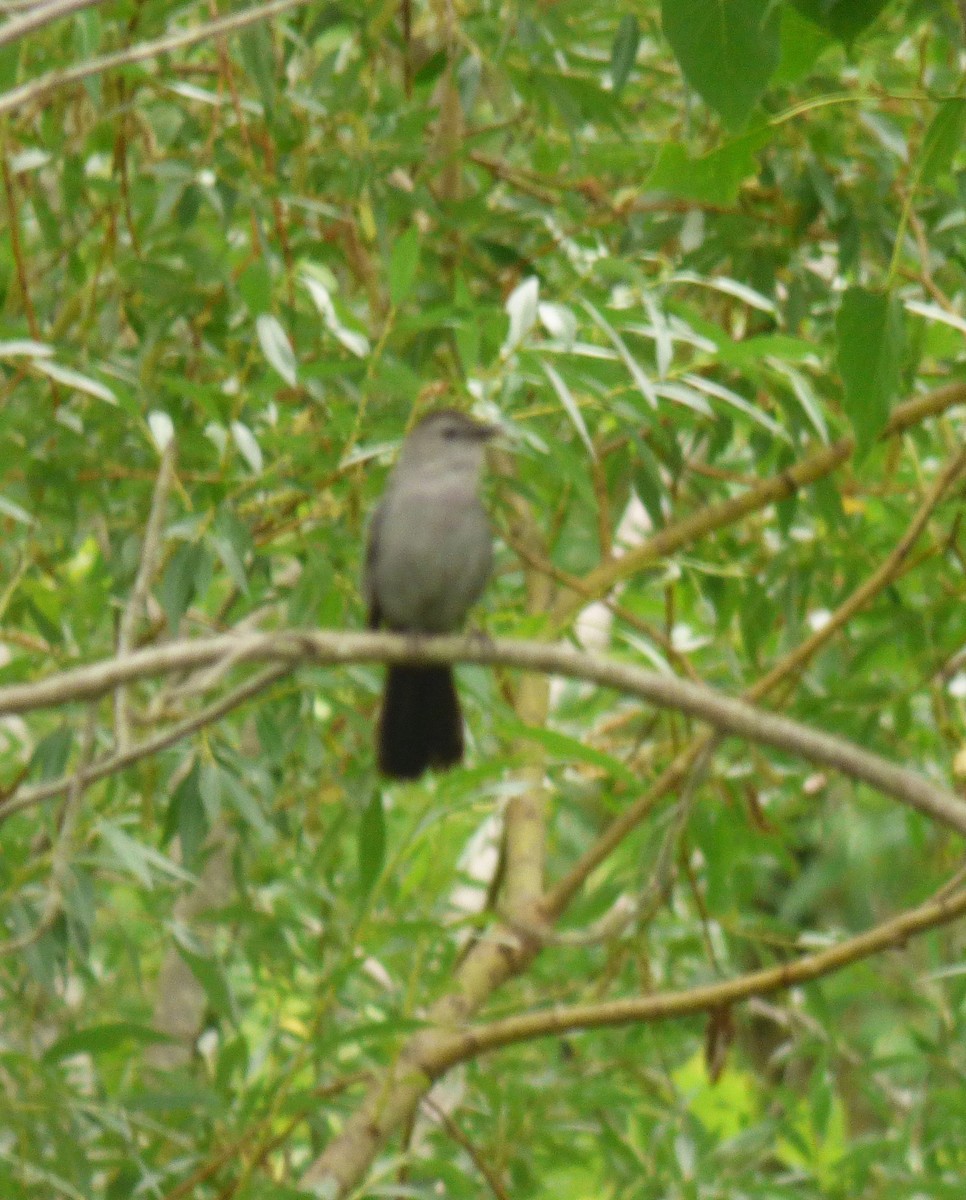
(427, 561)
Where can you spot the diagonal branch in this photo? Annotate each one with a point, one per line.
(562, 892)
(718, 516)
(113, 763)
(38, 16)
(468, 1044)
(38, 88)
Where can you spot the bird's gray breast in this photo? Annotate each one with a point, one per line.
(431, 557)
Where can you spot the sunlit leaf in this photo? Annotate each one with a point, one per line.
(277, 348)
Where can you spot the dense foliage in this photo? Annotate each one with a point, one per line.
(696, 258)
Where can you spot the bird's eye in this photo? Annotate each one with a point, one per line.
(449, 432)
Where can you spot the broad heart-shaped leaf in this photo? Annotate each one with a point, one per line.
(843, 19)
(869, 331)
(727, 49)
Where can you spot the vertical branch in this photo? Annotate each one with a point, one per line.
(139, 593)
(448, 136)
(13, 221)
(407, 38)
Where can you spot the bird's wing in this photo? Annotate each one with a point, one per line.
(373, 615)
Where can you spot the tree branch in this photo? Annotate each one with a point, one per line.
(471, 1043)
(717, 516)
(561, 893)
(729, 716)
(39, 16)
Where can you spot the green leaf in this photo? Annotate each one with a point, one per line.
(258, 57)
(306, 598)
(944, 139)
(9, 64)
(181, 579)
(403, 265)
(102, 1039)
(869, 333)
(802, 43)
(214, 982)
(74, 379)
(570, 406)
(843, 19)
(372, 842)
(255, 287)
(248, 446)
(727, 49)
(186, 817)
(714, 178)
(52, 752)
(570, 749)
(623, 53)
(246, 806)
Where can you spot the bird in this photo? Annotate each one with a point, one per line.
(428, 558)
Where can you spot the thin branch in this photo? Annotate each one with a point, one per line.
(16, 246)
(475, 1155)
(114, 763)
(471, 1043)
(880, 578)
(39, 16)
(560, 894)
(38, 88)
(150, 552)
(718, 516)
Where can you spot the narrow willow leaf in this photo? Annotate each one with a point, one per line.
(403, 265)
(276, 347)
(624, 51)
(869, 331)
(570, 406)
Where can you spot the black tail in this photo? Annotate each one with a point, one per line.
(420, 724)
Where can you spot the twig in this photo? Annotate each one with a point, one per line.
(150, 552)
(15, 243)
(717, 516)
(39, 16)
(559, 896)
(38, 88)
(118, 762)
(476, 1157)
